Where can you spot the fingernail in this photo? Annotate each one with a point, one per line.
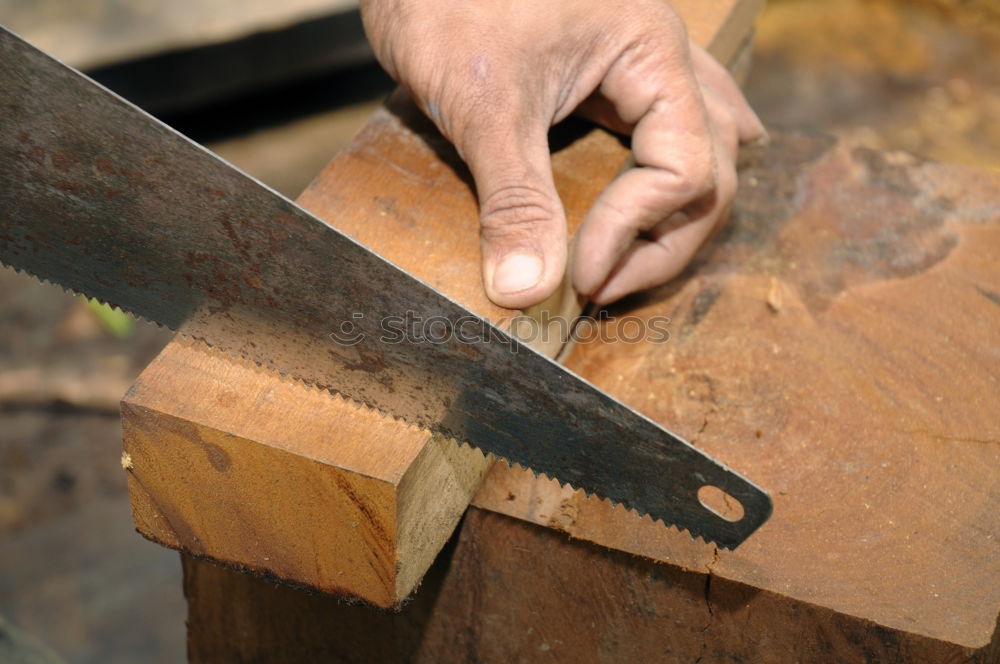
(517, 272)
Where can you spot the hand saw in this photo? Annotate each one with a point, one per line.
(102, 199)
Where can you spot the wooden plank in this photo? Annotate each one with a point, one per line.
(833, 343)
(508, 591)
(210, 474)
(229, 462)
(837, 343)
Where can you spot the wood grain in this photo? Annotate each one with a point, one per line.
(235, 465)
(509, 591)
(836, 343)
(228, 462)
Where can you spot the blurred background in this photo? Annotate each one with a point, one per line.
(277, 88)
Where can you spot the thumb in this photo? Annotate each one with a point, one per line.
(522, 222)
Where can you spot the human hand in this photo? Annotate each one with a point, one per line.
(495, 75)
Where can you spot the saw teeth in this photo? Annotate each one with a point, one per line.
(312, 385)
(589, 495)
(72, 291)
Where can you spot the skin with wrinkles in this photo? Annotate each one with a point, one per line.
(495, 75)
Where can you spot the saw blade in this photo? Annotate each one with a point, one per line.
(97, 196)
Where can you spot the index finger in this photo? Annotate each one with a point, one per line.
(653, 85)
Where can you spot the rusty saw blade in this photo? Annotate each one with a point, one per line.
(97, 196)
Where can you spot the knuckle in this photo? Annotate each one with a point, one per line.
(692, 178)
(720, 196)
(515, 210)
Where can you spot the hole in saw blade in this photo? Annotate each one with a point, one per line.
(720, 503)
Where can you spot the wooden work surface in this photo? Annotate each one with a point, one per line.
(836, 342)
(217, 451)
(508, 591)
